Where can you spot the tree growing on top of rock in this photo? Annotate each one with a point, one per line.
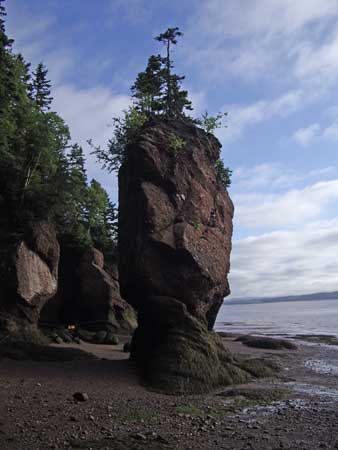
(156, 92)
(147, 89)
(175, 101)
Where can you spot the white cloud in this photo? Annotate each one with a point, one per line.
(318, 61)
(275, 176)
(292, 208)
(263, 16)
(315, 132)
(241, 117)
(306, 136)
(265, 36)
(331, 132)
(286, 262)
(134, 11)
(88, 113)
(198, 100)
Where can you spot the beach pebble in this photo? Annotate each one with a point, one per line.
(80, 397)
(140, 437)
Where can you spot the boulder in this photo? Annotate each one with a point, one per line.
(88, 295)
(32, 278)
(101, 302)
(175, 228)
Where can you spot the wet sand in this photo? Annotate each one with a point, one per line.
(297, 410)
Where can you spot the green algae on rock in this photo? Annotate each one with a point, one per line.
(173, 272)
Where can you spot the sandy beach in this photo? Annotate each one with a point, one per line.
(296, 410)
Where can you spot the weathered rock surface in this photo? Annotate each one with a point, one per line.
(89, 295)
(32, 278)
(100, 294)
(175, 227)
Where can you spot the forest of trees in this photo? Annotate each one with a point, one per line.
(42, 175)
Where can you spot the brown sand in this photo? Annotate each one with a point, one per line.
(298, 411)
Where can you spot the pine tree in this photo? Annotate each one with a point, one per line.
(70, 211)
(179, 100)
(76, 184)
(147, 89)
(169, 38)
(41, 88)
(111, 221)
(174, 99)
(31, 144)
(41, 176)
(101, 217)
(6, 73)
(25, 75)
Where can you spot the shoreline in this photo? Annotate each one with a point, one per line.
(298, 409)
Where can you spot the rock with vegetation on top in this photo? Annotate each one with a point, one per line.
(32, 280)
(175, 228)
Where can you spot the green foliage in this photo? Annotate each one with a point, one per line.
(101, 217)
(126, 130)
(174, 100)
(147, 89)
(211, 123)
(223, 173)
(32, 145)
(175, 143)
(42, 176)
(41, 88)
(197, 225)
(157, 91)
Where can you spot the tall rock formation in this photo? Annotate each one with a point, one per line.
(101, 301)
(30, 280)
(88, 294)
(175, 227)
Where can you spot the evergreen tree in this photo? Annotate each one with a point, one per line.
(147, 89)
(31, 144)
(156, 91)
(175, 100)
(25, 75)
(7, 86)
(101, 217)
(111, 221)
(41, 176)
(72, 183)
(41, 88)
(179, 102)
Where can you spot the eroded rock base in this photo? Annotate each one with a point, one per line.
(178, 354)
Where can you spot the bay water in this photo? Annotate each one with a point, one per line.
(280, 318)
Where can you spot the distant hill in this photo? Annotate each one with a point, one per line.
(290, 298)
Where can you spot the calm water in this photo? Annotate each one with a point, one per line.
(306, 317)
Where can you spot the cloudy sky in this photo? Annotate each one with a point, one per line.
(271, 64)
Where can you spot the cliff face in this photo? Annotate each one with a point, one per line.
(88, 294)
(37, 285)
(101, 301)
(175, 227)
(32, 272)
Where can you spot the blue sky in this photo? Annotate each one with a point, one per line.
(271, 64)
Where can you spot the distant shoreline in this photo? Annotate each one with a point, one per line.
(320, 296)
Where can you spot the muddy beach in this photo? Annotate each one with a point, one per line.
(298, 409)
